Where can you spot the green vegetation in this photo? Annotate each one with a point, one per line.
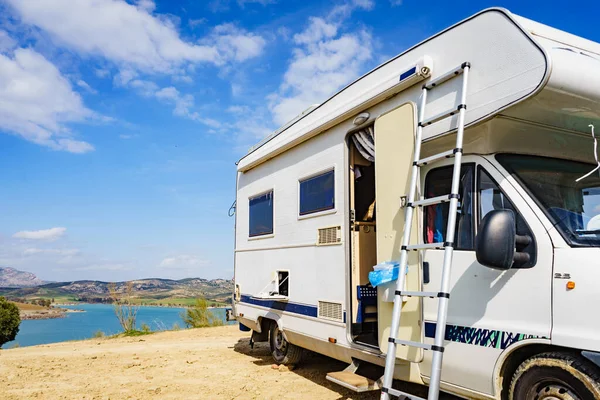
(99, 334)
(9, 321)
(125, 310)
(175, 327)
(199, 316)
(135, 333)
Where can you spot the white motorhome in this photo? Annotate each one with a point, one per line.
(322, 200)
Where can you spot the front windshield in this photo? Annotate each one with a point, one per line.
(573, 207)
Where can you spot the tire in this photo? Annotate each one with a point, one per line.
(282, 351)
(555, 376)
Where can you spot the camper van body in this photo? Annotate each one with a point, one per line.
(532, 92)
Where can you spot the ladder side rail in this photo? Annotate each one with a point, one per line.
(390, 359)
(440, 332)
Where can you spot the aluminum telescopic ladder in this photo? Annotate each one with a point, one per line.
(443, 295)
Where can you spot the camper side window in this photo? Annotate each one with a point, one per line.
(261, 214)
(438, 183)
(317, 193)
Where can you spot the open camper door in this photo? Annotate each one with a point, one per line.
(394, 148)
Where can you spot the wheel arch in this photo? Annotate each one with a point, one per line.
(512, 357)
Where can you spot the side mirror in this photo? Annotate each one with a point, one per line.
(495, 241)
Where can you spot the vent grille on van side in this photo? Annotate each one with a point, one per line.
(330, 310)
(331, 235)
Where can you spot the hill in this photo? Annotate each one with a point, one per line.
(10, 277)
(146, 291)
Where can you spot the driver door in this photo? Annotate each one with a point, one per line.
(489, 309)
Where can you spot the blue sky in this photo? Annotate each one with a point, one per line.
(120, 122)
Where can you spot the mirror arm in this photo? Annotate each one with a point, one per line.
(522, 240)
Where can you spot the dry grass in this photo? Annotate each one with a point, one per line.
(28, 307)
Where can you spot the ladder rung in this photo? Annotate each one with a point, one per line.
(417, 294)
(411, 343)
(432, 200)
(435, 157)
(401, 395)
(443, 115)
(425, 246)
(447, 76)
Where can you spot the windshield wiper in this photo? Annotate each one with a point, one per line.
(592, 232)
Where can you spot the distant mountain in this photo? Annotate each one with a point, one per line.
(153, 290)
(10, 277)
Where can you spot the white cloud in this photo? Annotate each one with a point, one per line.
(43, 234)
(395, 3)
(323, 61)
(130, 35)
(184, 261)
(84, 85)
(6, 42)
(127, 137)
(59, 252)
(36, 102)
(196, 22)
(235, 43)
(223, 5)
(183, 103)
(102, 72)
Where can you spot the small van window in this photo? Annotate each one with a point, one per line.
(261, 214)
(438, 183)
(317, 193)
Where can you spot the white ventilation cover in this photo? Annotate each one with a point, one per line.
(331, 235)
(331, 311)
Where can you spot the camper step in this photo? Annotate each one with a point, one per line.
(442, 115)
(401, 395)
(411, 343)
(447, 76)
(433, 200)
(408, 293)
(352, 381)
(425, 246)
(435, 157)
(349, 379)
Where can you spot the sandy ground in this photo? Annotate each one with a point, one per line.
(210, 363)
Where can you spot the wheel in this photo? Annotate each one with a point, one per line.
(282, 351)
(555, 376)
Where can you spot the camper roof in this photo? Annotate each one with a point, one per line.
(510, 58)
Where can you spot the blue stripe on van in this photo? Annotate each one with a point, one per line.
(287, 306)
(479, 336)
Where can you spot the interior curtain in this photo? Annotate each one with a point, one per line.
(364, 140)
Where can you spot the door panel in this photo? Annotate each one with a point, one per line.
(394, 146)
(489, 309)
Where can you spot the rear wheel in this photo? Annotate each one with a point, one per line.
(282, 351)
(555, 376)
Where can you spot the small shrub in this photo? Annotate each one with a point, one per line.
(9, 321)
(146, 328)
(199, 316)
(15, 345)
(125, 309)
(176, 327)
(99, 334)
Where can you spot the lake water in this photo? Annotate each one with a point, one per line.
(97, 317)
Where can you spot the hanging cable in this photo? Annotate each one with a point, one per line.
(595, 156)
(231, 211)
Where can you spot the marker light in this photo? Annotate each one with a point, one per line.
(570, 285)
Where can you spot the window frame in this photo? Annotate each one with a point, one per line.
(518, 213)
(473, 166)
(266, 234)
(322, 212)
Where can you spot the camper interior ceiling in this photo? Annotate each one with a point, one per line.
(431, 217)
